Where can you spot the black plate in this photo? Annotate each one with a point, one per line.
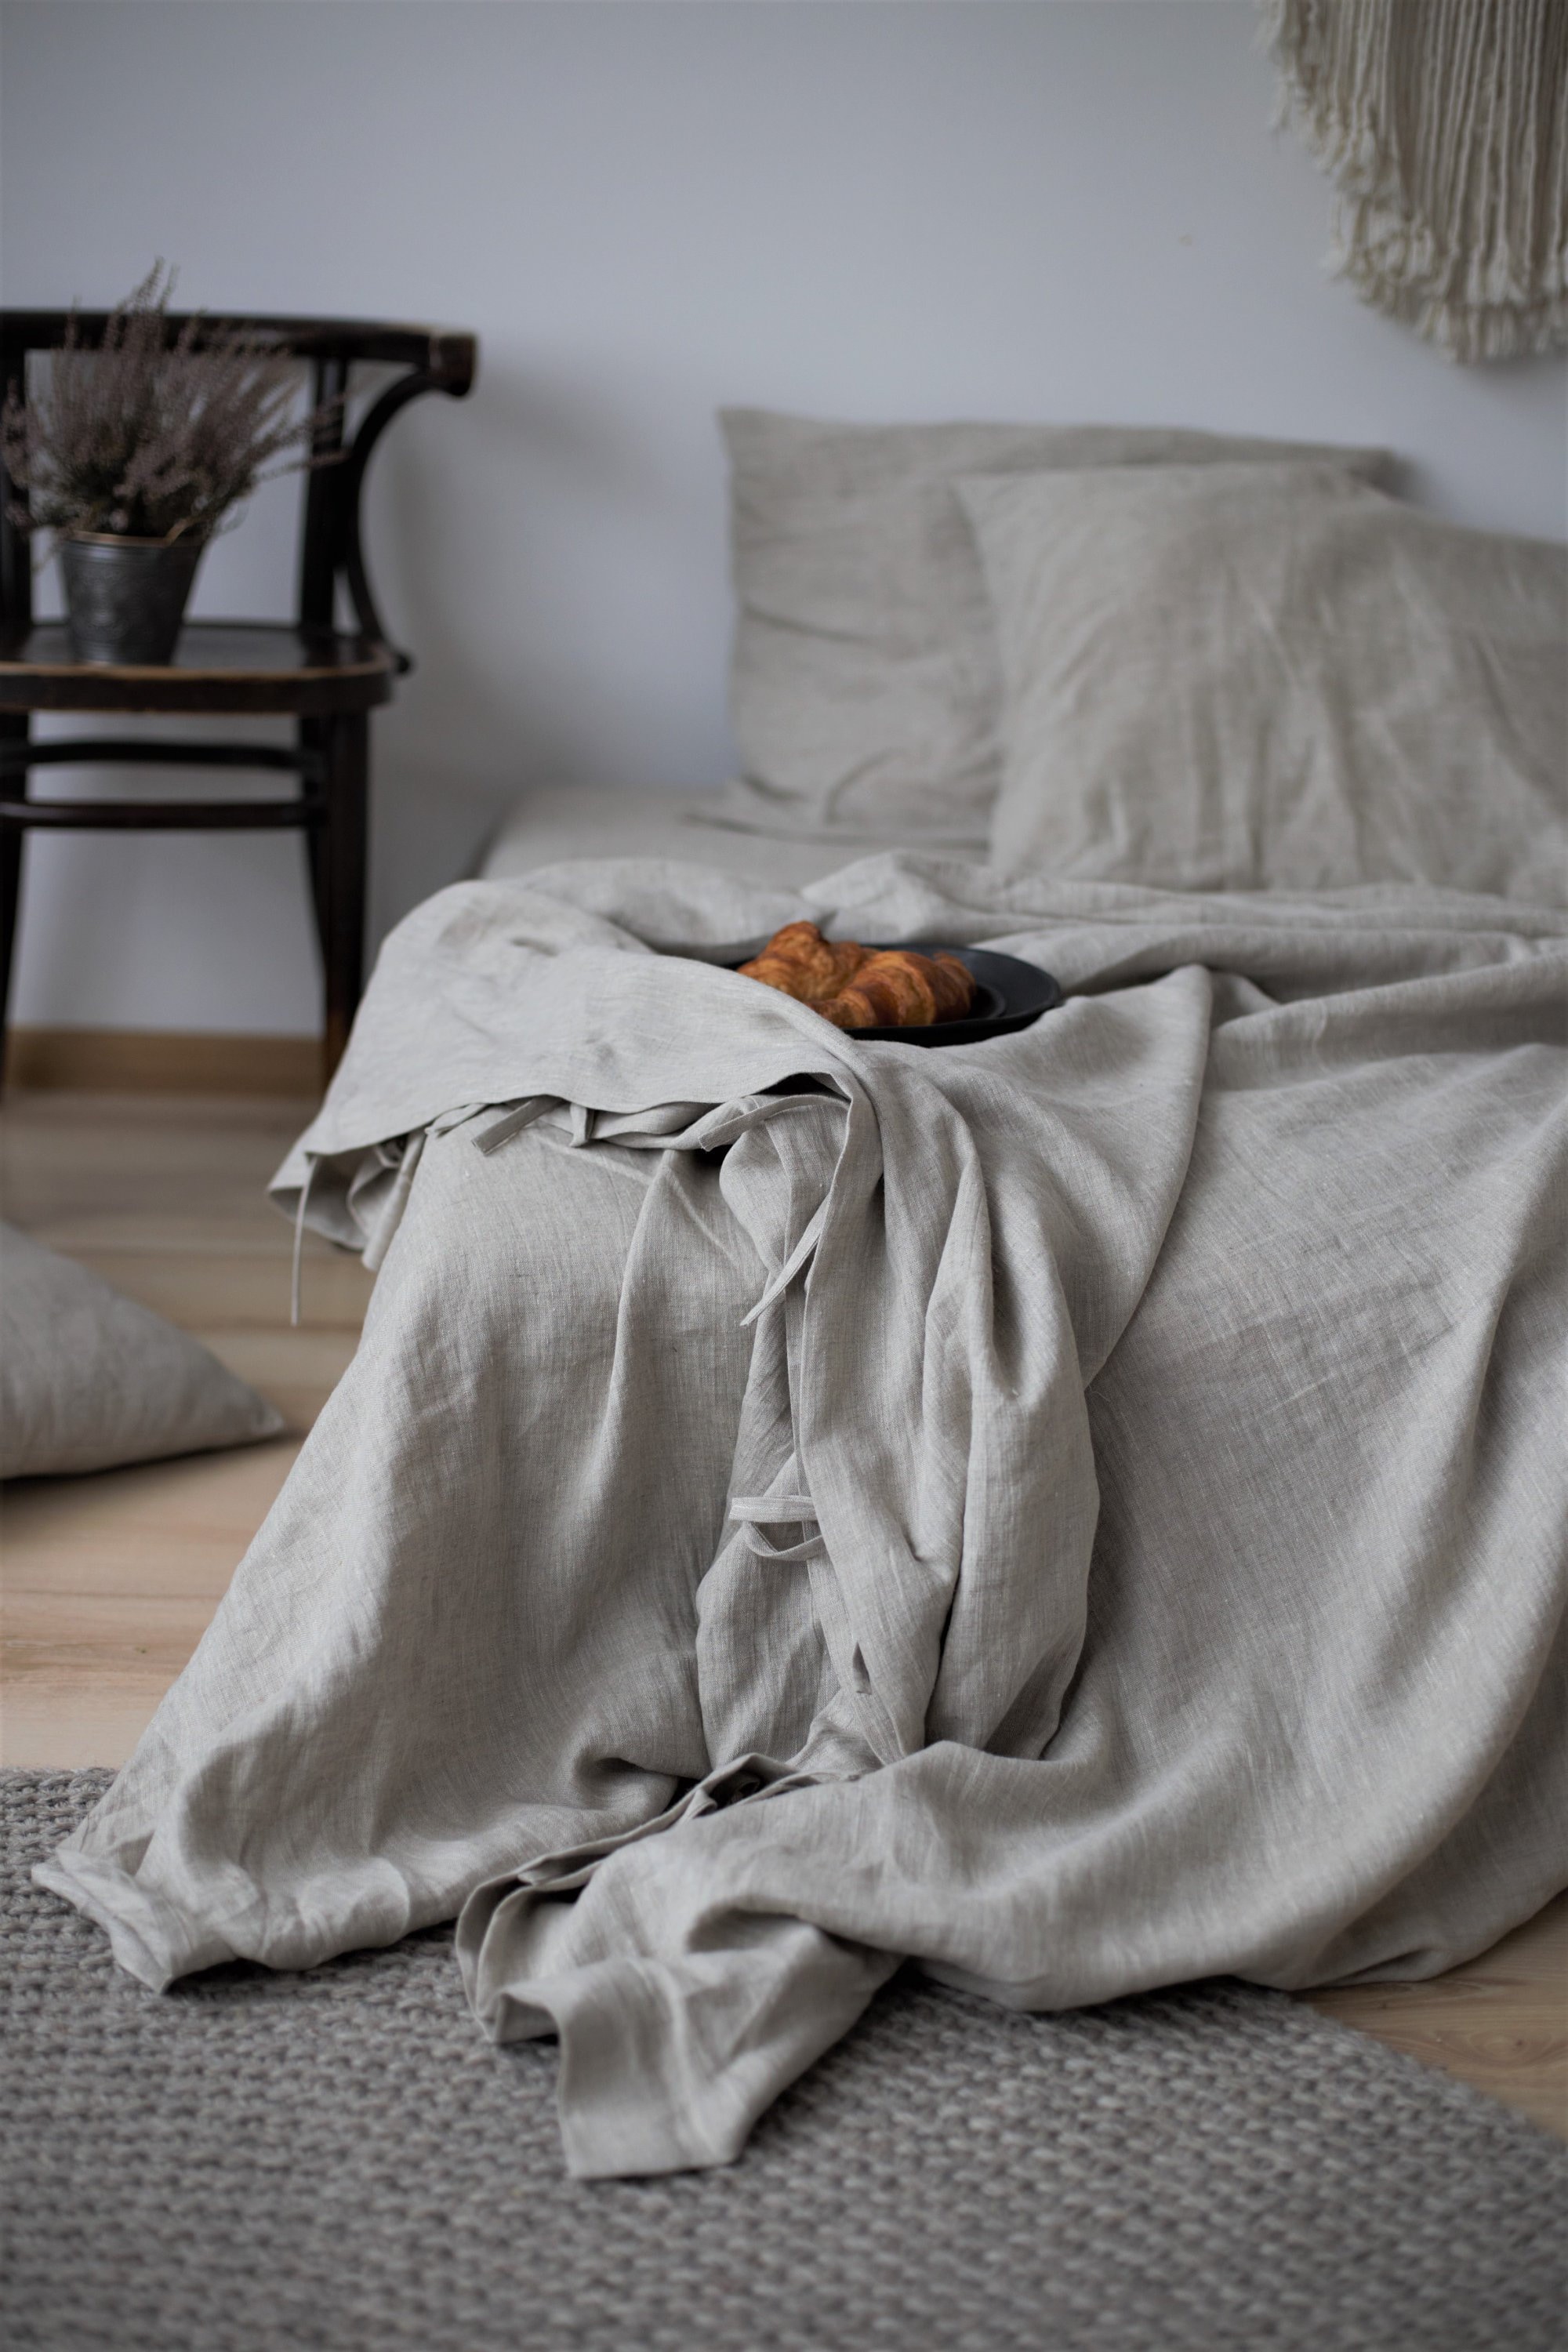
(1012, 993)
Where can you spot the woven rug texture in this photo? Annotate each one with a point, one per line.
(339, 2161)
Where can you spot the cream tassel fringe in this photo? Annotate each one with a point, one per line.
(1443, 127)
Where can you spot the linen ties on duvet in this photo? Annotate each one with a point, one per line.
(1083, 1511)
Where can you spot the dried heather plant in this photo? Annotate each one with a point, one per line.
(149, 439)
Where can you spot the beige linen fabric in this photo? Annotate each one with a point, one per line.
(1086, 1510)
(89, 1379)
(864, 685)
(1254, 676)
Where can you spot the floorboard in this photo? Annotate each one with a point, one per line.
(107, 1582)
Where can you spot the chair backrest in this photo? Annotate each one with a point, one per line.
(434, 360)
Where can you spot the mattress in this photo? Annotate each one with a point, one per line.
(566, 822)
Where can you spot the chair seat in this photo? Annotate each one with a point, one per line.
(218, 667)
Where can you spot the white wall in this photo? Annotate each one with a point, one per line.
(1061, 209)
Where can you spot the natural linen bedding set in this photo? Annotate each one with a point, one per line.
(1082, 1511)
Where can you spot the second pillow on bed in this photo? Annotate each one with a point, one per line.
(1272, 677)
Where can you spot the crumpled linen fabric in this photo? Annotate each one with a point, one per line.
(1084, 1511)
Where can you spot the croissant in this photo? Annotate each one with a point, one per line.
(863, 988)
(800, 963)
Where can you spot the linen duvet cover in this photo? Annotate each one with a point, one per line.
(1079, 1512)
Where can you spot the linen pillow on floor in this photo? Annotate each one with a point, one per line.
(864, 685)
(89, 1379)
(1273, 677)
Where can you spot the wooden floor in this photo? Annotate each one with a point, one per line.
(109, 1581)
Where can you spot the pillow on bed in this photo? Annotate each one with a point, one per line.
(1273, 677)
(864, 683)
(89, 1379)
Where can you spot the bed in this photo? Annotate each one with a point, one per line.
(1082, 1511)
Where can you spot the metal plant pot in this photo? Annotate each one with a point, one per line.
(125, 598)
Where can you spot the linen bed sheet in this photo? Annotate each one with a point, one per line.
(1083, 1512)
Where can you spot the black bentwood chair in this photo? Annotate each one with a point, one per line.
(327, 681)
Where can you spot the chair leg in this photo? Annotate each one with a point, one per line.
(14, 727)
(312, 743)
(344, 858)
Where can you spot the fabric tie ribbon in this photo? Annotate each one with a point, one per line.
(756, 1512)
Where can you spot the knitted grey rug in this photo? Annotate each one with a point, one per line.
(339, 2160)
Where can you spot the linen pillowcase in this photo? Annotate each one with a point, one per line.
(90, 1380)
(1273, 677)
(864, 683)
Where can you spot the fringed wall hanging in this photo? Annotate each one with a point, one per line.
(1443, 127)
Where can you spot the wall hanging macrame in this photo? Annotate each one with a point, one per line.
(1443, 127)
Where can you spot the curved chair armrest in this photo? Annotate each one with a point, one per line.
(451, 369)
